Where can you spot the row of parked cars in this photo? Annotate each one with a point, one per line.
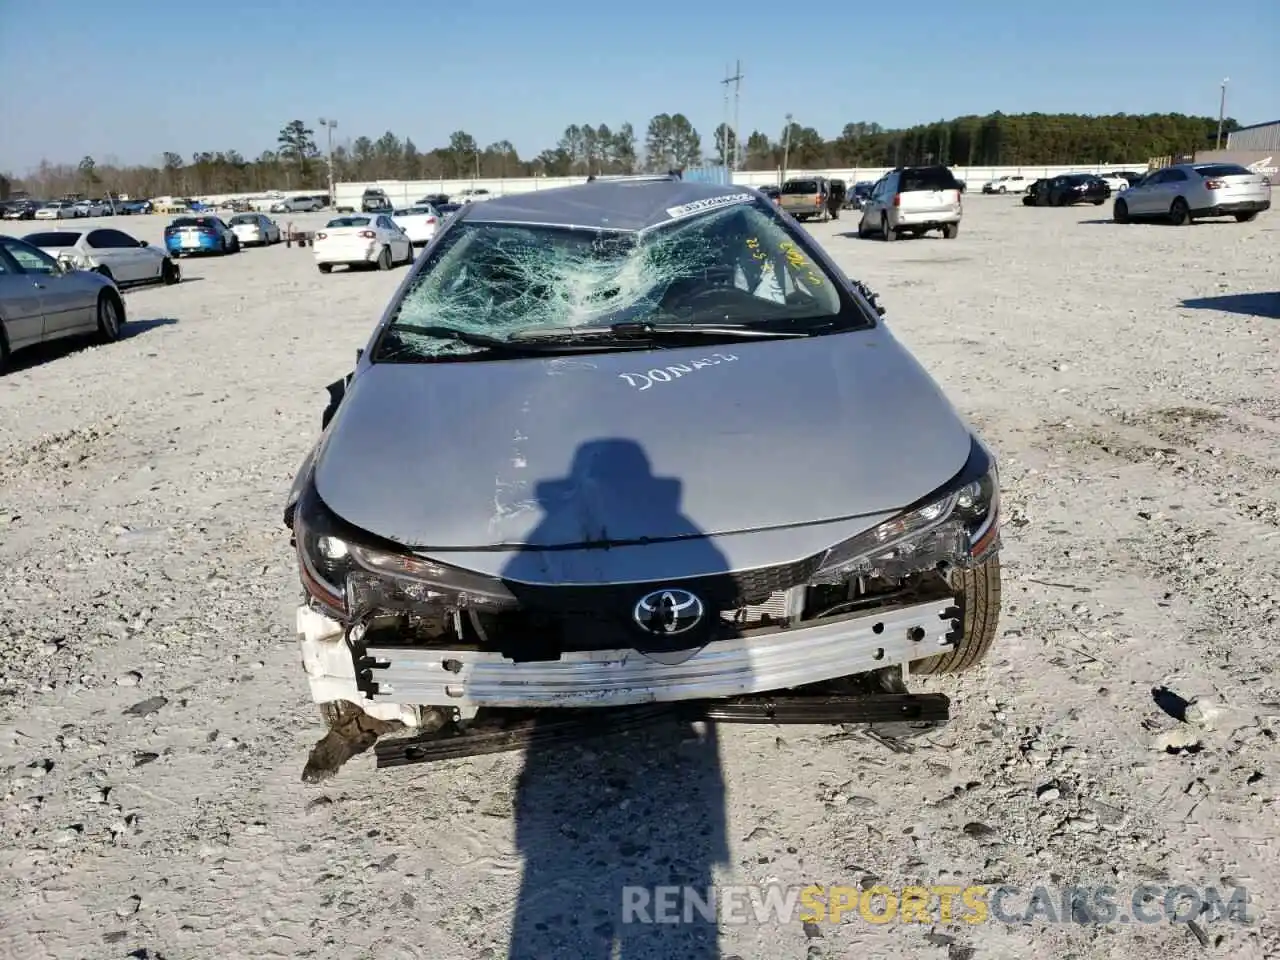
(911, 201)
(28, 209)
(1177, 194)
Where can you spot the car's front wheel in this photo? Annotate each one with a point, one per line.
(1121, 212)
(978, 597)
(325, 267)
(169, 273)
(110, 316)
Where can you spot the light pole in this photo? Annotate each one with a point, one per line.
(1222, 111)
(329, 125)
(786, 149)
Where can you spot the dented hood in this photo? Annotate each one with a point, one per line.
(632, 446)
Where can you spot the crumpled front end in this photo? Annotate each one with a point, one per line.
(409, 638)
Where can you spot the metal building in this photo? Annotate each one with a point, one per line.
(1259, 136)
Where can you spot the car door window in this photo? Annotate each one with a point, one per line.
(110, 240)
(1175, 176)
(28, 258)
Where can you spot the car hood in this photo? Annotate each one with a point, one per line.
(633, 446)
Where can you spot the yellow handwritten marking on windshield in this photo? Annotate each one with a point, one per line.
(794, 257)
(801, 263)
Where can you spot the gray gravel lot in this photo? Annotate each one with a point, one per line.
(154, 717)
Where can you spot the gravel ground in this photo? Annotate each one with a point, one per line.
(154, 718)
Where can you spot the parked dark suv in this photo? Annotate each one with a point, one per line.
(375, 201)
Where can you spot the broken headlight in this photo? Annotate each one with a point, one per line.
(958, 527)
(345, 572)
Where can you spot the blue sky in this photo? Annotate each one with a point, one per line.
(129, 79)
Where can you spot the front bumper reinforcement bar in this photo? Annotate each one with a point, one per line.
(890, 715)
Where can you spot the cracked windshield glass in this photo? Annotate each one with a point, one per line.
(731, 266)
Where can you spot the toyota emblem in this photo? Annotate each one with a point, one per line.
(669, 612)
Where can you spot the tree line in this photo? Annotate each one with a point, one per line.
(670, 140)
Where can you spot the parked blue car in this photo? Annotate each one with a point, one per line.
(199, 234)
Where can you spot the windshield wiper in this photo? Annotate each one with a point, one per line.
(630, 335)
(558, 341)
(649, 329)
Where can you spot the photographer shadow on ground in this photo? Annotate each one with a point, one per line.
(603, 825)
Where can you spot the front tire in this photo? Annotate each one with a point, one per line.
(325, 267)
(1121, 212)
(978, 597)
(110, 317)
(1003, 190)
(169, 273)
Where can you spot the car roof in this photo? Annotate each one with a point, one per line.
(628, 205)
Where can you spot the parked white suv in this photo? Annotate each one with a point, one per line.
(910, 201)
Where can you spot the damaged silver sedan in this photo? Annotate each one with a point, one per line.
(634, 445)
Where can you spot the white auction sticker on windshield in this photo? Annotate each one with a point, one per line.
(698, 206)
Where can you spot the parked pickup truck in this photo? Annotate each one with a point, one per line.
(806, 199)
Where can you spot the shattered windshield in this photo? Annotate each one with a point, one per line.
(735, 265)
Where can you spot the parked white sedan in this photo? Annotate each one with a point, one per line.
(362, 239)
(56, 210)
(420, 222)
(112, 253)
(255, 229)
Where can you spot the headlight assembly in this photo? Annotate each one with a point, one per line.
(342, 571)
(959, 527)
(74, 261)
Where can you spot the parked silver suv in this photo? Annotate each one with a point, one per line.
(911, 201)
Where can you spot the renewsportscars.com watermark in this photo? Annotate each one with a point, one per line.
(941, 903)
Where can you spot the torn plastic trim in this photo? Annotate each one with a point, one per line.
(330, 668)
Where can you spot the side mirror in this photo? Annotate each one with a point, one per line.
(143, 243)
